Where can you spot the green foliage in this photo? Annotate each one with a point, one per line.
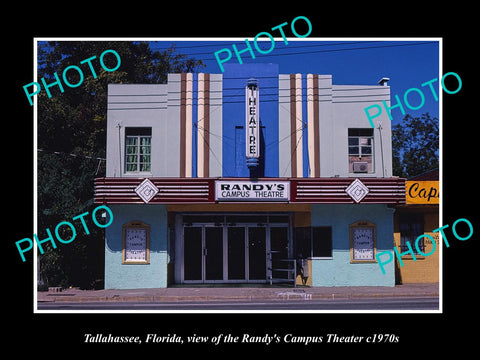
(72, 135)
(66, 190)
(415, 145)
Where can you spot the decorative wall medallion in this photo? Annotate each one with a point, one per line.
(146, 190)
(357, 190)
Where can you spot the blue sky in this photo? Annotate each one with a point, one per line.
(351, 61)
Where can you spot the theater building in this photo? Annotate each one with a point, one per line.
(249, 176)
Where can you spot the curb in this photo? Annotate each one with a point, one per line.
(180, 298)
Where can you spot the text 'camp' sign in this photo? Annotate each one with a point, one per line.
(422, 192)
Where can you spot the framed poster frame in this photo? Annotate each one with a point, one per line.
(135, 225)
(362, 224)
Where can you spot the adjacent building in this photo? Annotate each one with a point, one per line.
(420, 215)
(250, 176)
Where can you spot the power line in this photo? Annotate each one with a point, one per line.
(70, 154)
(276, 53)
(174, 47)
(294, 152)
(76, 156)
(336, 50)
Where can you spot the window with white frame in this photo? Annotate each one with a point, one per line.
(360, 150)
(138, 146)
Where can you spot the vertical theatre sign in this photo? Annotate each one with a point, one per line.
(252, 126)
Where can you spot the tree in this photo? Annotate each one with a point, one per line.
(415, 145)
(79, 113)
(72, 141)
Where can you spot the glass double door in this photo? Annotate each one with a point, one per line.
(226, 253)
(203, 253)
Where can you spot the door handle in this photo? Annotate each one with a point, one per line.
(205, 251)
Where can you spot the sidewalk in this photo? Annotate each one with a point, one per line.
(241, 293)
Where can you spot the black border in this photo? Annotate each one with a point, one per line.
(417, 332)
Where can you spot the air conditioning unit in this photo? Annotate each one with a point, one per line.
(360, 166)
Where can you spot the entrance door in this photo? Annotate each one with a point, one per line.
(236, 253)
(279, 251)
(213, 250)
(193, 253)
(247, 250)
(257, 253)
(203, 253)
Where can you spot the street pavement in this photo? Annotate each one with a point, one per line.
(353, 304)
(237, 293)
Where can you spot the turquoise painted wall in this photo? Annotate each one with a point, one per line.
(338, 271)
(136, 276)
